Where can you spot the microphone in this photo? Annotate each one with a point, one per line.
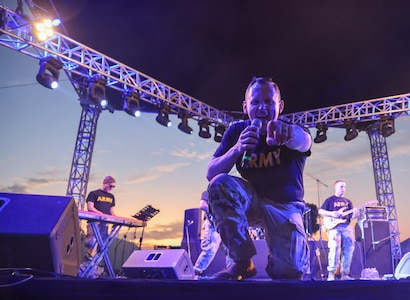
(248, 153)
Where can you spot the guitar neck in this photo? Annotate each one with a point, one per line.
(348, 212)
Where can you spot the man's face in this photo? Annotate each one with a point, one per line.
(262, 103)
(108, 186)
(340, 189)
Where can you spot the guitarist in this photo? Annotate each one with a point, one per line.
(341, 235)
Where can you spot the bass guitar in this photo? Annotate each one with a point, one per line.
(332, 222)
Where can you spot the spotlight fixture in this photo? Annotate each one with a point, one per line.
(43, 29)
(320, 133)
(183, 126)
(132, 103)
(162, 117)
(387, 126)
(96, 91)
(56, 22)
(351, 131)
(204, 129)
(49, 72)
(219, 132)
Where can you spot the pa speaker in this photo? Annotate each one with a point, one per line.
(377, 247)
(40, 232)
(159, 264)
(192, 223)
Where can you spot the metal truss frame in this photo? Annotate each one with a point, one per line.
(17, 34)
(81, 165)
(82, 63)
(85, 62)
(384, 187)
(360, 112)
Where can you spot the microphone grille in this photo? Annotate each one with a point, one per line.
(257, 123)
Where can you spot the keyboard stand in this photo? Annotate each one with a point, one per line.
(102, 253)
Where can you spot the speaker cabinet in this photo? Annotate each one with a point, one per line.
(40, 232)
(159, 264)
(377, 247)
(192, 224)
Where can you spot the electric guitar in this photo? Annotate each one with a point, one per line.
(332, 222)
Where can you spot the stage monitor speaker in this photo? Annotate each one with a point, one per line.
(377, 247)
(403, 267)
(159, 264)
(39, 232)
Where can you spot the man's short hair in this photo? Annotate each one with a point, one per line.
(263, 80)
(339, 180)
(109, 179)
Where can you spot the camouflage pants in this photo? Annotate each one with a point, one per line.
(341, 248)
(236, 206)
(210, 244)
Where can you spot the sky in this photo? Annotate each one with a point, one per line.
(155, 165)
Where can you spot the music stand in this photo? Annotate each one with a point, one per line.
(144, 215)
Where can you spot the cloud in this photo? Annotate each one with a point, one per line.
(165, 231)
(158, 152)
(15, 188)
(155, 172)
(143, 178)
(52, 172)
(189, 154)
(333, 155)
(25, 185)
(161, 234)
(169, 168)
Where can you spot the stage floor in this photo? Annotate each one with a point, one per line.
(25, 286)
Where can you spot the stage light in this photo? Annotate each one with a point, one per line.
(204, 129)
(183, 126)
(96, 91)
(43, 29)
(162, 117)
(56, 22)
(321, 133)
(132, 103)
(387, 126)
(351, 131)
(49, 72)
(219, 132)
(104, 103)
